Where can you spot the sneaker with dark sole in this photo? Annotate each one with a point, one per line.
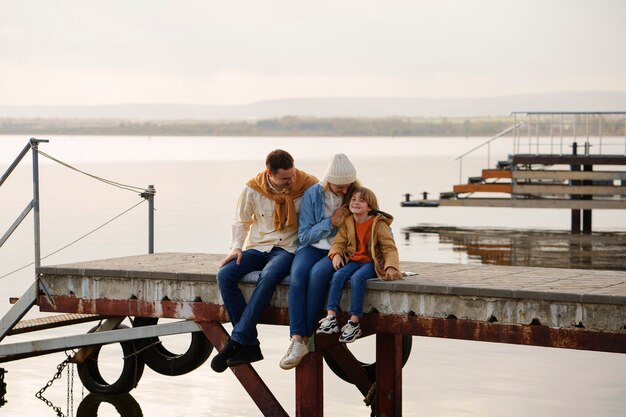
(328, 325)
(231, 348)
(248, 354)
(350, 332)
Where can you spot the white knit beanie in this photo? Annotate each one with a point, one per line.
(340, 170)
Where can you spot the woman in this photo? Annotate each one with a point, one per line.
(322, 211)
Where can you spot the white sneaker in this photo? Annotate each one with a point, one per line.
(294, 355)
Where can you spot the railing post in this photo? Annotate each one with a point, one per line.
(34, 144)
(151, 192)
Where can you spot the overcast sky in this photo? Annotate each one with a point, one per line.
(233, 52)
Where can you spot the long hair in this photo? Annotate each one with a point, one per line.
(354, 186)
(369, 197)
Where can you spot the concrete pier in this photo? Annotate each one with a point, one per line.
(504, 295)
(563, 308)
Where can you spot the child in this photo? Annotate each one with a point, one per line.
(363, 249)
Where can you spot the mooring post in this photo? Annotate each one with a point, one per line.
(310, 386)
(575, 212)
(388, 375)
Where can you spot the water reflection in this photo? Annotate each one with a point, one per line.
(540, 248)
(3, 387)
(124, 404)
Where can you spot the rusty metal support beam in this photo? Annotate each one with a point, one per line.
(388, 375)
(484, 331)
(531, 335)
(351, 367)
(310, 386)
(247, 376)
(198, 311)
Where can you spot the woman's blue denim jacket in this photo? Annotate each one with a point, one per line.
(312, 226)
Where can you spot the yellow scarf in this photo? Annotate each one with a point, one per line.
(284, 208)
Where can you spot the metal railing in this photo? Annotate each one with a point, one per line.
(33, 205)
(554, 133)
(486, 143)
(550, 132)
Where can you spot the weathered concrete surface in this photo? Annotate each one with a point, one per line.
(558, 298)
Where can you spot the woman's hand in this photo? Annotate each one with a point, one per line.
(337, 261)
(338, 216)
(392, 274)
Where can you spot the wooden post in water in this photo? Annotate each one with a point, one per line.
(587, 212)
(388, 374)
(310, 386)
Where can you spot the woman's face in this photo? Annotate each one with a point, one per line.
(339, 190)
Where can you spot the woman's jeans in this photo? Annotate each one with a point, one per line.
(311, 272)
(274, 266)
(358, 274)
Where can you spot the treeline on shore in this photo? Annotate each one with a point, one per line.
(283, 126)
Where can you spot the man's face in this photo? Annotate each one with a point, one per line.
(339, 190)
(283, 178)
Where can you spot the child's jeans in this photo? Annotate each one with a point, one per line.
(358, 274)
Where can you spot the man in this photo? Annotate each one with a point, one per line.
(267, 215)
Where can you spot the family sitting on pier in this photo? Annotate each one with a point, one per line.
(321, 233)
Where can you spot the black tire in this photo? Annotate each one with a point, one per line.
(161, 360)
(124, 404)
(132, 371)
(370, 368)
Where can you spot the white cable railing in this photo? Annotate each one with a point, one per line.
(146, 193)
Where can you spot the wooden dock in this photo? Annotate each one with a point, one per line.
(539, 172)
(562, 308)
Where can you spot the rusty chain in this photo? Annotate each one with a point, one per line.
(70, 388)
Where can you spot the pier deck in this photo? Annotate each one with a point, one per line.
(183, 285)
(564, 308)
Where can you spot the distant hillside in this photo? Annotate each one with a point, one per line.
(335, 107)
(281, 126)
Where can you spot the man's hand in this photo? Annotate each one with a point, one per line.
(337, 261)
(338, 216)
(392, 274)
(234, 254)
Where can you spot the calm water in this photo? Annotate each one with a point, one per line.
(198, 181)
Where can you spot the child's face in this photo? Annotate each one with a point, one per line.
(358, 205)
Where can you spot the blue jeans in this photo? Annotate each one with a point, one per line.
(311, 272)
(274, 266)
(358, 274)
